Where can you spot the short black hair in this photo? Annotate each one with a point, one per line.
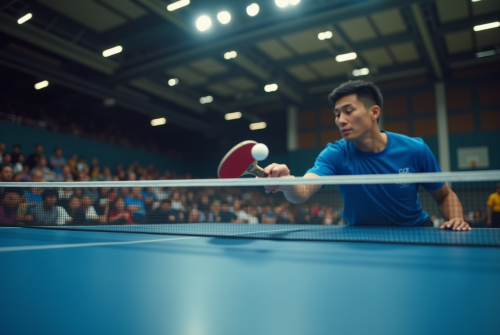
(366, 92)
(17, 146)
(2, 166)
(6, 190)
(166, 201)
(48, 192)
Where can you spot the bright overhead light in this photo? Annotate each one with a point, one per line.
(224, 17)
(325, 35)
(486, 53)
(25, 18)
(173, 81)
(346, 57)
(487, 26)
(41, 85)
(476, 0)
(282, 3)
(360, 72)
(271, 87)
(158, 122)
(112, 51)
(232, 116)
(257, 125)
(206, 100)
(230, 54)
(177, 5)
(253, 9)
(294, 2)
(203, 23)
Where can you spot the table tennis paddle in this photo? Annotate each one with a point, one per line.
(239, 162)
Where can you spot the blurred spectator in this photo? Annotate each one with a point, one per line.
(57, 161)
(75, 211)
(24, 175)
(494, 209)
(93, 163)
(242, 216)
(90, 213)
(65, 173)
(47, 174)
(18, 166)
(2, 150)
(82, 164)
(468, 219)
(225, 215)
(48, 213)
(254, 219)
(268, 215)
(165, 213)
(479, 219)
(194, 214)
(33, 159)
(120, 215)
(37, 176)
(9, 203)
(16, 151)
(135, 205)
(5, 173)
(132, 176)
(7, 160)
(96, 175)
(72, 162)
(149, 197)
(107, 176)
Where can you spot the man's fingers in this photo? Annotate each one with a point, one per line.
(456, 224)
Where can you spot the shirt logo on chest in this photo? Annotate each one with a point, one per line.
(404, 171)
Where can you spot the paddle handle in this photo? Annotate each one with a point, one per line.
(255, 170)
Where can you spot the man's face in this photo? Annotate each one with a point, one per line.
(50, 201)
(136, 192)
(16, 150)
(37, 177)
(58, 153)
(39, 149)
(225, 207)
(86, 201)
(2, 147)
(352, 118)
(6, 173)
(66, 170)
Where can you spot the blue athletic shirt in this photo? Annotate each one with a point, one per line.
(387, 204)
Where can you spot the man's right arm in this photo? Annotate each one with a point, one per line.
(293, 193)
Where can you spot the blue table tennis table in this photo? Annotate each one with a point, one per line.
(97, 282)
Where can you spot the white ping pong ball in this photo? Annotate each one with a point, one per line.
(260, 152)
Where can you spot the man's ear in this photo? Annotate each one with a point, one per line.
(375, 112)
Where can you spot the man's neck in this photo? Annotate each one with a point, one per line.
(374, 141)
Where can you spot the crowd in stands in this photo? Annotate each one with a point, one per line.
(133, 205)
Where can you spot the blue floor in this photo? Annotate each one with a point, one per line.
(74, 282)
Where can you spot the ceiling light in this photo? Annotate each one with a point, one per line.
(271, 87)
(253, 9)
(177, 5)
(487, 26)
(173, 81)
(112, 51)
(206, 100)
(25, 18)
(476, 0)
(294, 2)
(41, 85)
(203, 23)
(325, 35)
(346, 57)
(230, 54)
(257, 125)
(282, 3)
(224, 17)
(232, 116)
(486, 53)
(158, 122)
(360, 72)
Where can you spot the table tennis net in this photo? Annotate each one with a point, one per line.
(343, 209)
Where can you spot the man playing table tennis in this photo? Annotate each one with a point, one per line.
(365, 149)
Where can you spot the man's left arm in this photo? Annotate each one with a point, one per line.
(450, 208)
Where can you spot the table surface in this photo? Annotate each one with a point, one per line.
(79, 282)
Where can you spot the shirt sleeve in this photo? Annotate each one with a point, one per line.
(429, 164)
(325, 163)
(91, 213)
